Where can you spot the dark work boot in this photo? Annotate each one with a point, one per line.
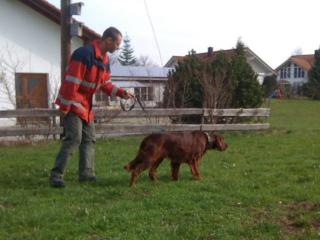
(56, 180)
(87, 179)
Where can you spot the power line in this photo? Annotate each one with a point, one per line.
(153, 31)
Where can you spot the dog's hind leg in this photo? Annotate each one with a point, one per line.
(153, 169)
(175, 166)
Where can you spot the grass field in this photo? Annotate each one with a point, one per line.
(265, 186)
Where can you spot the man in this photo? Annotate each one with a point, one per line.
(87, 71)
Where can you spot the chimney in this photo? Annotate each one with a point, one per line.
(210, 51)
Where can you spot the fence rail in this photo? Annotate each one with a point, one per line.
(116, 129)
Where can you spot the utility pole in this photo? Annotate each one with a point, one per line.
(65, 35)
(65, 21)
(69, 28)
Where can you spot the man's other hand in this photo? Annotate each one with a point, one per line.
(127, 95)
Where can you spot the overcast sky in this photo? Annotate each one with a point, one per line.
(273, 29)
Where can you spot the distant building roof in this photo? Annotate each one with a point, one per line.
(304, 61)
(210, 55)
(139, 72)
(50, 11)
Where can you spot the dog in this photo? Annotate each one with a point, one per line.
(179, 147)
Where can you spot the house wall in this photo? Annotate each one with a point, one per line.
(259, 70)
(30, 40)
(292, 79)
(158, 88)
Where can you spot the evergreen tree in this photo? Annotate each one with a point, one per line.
(248, 92)
(183, 88)
(314, 77)
(269, 85)
(126, 56)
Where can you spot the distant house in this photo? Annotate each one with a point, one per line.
(261, 68)
(145, 82)
(295, 69)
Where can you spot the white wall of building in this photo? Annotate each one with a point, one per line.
(30, 40)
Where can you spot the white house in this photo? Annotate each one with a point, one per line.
(145, 82)
(295, 69)
(30, 58)
(260, 67)
(30, 52)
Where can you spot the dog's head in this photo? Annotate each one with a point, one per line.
(217, 142)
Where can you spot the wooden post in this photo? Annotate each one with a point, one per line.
(65, 22)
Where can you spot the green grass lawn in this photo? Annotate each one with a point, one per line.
(265, 186)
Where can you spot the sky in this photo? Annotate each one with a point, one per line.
(273, 29)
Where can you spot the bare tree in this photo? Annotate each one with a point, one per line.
(145, 60)
(297, 51)
(54, 86)
(216, 81)
(9, 65)
(200, 83)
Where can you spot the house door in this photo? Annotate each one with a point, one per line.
(31, 91)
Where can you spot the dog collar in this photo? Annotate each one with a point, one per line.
(208, 136)
(210, 141)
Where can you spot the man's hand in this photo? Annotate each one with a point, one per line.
(127, 95)
(63, 113)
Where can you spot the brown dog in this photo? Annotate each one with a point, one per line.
(184, 147)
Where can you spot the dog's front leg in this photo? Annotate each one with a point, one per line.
(153, 169)
(194, 171)
(196, 168)
(134, 176)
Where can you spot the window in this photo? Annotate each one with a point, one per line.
(298, 72)
(144, 93)
(283, 73)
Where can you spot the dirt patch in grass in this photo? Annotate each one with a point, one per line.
(299, 217)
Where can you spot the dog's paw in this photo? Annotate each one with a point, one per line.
(127, 168)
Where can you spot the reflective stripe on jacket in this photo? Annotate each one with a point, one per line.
(88, 70)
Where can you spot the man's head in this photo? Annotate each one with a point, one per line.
(111, 40)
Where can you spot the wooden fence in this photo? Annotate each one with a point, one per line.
(257, 119)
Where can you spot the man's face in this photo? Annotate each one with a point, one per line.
(113, 45)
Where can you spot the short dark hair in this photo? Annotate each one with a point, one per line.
(111, 32)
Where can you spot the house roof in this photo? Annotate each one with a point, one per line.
(304, 61)
(50, 11)
(139, 72)
(228, 53)
(204, 56)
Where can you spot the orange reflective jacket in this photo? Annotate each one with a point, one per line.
(87, 71)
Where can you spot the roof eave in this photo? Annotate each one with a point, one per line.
(50, 11)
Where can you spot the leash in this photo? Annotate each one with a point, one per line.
(125, 106)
